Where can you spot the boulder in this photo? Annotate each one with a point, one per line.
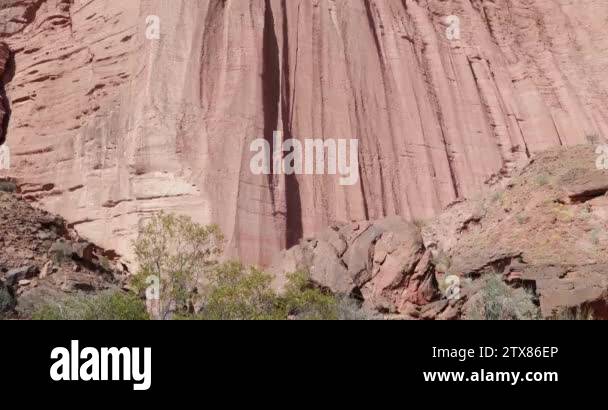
(376, 261)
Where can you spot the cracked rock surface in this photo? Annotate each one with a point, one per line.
(106, 125)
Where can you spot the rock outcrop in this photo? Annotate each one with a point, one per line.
(542, 230)
(121, 108)
(42, 258)
(548, 227)
(382, 263)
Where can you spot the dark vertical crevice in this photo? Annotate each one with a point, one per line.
(294, 228)
(271, 83)
(362, 184)
(8, 72)
(286, 77)
(276, 77)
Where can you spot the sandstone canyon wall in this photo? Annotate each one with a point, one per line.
(106, 125)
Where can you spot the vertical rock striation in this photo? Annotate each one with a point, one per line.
(107, 126)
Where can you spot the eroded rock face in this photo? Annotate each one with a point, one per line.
(108, 125)
(383, 263)
(42, 259)
(541, 230)
(547, 228)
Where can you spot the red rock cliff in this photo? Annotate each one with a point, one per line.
(107, 125)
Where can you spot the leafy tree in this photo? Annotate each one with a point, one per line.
(174, 252)
(182, 256)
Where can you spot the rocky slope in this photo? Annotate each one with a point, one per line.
(43, 258)
(107, 123)
(543, 228)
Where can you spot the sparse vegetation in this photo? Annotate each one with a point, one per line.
(236, 293)
(419, 222)
(595, 236)
(350, 309)
(542, 180)
(6, 302)
(442, 261)
(522, 219)
(8, 186)
(194, 286)
(302, 300)
(233, 293)
(105, 263)
(61, 250)
(109, 305)
(497, 197)
(498, 301)
(593, 139)
(564, 214)
(581, 313)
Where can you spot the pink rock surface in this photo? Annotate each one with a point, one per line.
(107, 126)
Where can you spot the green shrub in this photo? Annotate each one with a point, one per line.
(61, 250)
(193, 286)
(235, 294)
(179, 252)
(8, 186)
(6, 302)
(498, 301)
(542, 180)
(109, 305)
(593, 138)
(420, 223)
(351, 309)
(302, 300)
(442, 261)
(497, 197)
(574, 314)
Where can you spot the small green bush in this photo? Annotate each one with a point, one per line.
(235, 294)
(498, 301)
(542, 180)
(109, 305)
(593, 138)
(351, 309)
(497, 197)
(7, 186)
(61, 250)
(6, 302)
(442, 261)
(574, 314)
(304, 301)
